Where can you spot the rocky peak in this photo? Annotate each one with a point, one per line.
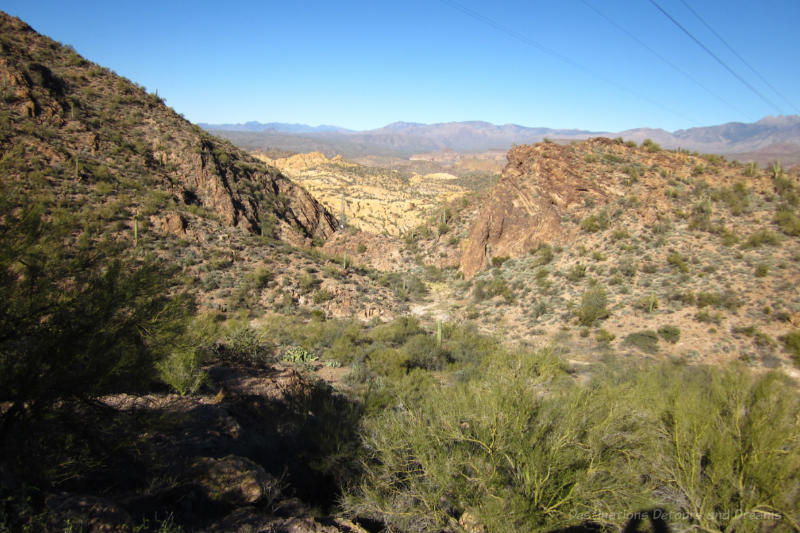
(538, 186)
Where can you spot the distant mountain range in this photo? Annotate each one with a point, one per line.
(766, 140)
(274, 126)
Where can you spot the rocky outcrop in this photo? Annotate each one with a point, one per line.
(540, 184)
(234, 480)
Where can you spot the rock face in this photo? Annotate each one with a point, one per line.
(539, 185)
(83, 122)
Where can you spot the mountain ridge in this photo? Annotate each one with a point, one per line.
(408, 138)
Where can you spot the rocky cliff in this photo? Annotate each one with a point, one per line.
(547, 184)
(539, 185)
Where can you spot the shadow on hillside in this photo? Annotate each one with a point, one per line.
(282, 450)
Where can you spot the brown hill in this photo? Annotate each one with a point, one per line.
(80, 122)
(546, 183)
(108, 159)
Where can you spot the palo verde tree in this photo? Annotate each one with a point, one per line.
(76, 322)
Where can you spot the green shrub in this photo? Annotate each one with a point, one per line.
(182, 371)
(728, 450)
(708, 317)
(604, 336)
(791, 342)
(322, 296)
(576, 273)
(298, 354)
(788, 221)
(389, 362)
(260, 277)
(485, 289)
(627, 266)
(544, 254)
(676, 259)
(760, 238)
(397, 331)
(670, 333)
(762, 270)
(651, 146)
(646, 341)
(498, 261)
(245, 345)
(307, 283)
(77, 323)
(424, 352)
(593, 306)
(596, 221)
(735, 197)
(496, 448)
(700, 218)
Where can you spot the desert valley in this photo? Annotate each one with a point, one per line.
(447, 327)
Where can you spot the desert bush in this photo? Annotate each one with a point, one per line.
(182, 370)
(791, 342)
(576, 273)
(259, 278)
(389, 362)
(498, 449)
(424, 352)
(670, 333)
(404, 285)
(646, 341)
(627, 266)
(593, 306)
(75, 323)
(498, 261)
(708, 317)
(677, 260)
(760, 238)
(397, 331)
(596, 221)
(700, 218)
(298, 354)
(322, 296)
(788, 221)
(723, 300)
(735, 197)
(544, 254)
(727, 446)
(485, 289)
(244, 344)
(651, 146)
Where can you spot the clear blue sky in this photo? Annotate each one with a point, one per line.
(364, 64)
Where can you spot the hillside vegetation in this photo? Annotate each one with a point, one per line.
(190, 342)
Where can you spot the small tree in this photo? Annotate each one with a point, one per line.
(76, 324)
(593, 306)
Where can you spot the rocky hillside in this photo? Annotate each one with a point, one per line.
(73, 121)
(617, 242)
(108, 159)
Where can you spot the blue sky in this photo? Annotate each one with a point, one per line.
(365, 64)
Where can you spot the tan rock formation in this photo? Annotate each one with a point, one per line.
(539, 185)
